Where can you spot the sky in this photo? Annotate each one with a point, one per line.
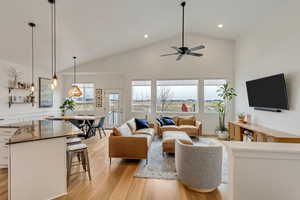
(177, 92)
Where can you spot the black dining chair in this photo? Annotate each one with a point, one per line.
(79, 124)
(99, 126)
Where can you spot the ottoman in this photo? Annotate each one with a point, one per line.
(169, 138)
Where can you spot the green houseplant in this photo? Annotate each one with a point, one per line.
(68, 104)
(226, 94)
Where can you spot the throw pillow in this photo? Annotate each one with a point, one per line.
(132, 125)
(187, 121)
(141, 123)
(161, 122)
(168, 121)
(123, 130)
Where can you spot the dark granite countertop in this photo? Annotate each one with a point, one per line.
(40, 130)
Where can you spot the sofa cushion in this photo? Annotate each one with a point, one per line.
(123, 130)
(147, 131)
(169, 128)
(141, 123)
(190, 130)
(132, 125)
(148, 137)
(187, 121)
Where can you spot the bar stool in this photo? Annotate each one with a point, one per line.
(72, 141)
(74, 150)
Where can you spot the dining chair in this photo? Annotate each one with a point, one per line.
(99, 126)
(79, 124)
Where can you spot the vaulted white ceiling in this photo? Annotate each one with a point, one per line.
(92, 29)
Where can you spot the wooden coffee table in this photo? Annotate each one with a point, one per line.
(169, 138)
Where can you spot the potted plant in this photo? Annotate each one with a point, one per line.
(69, 104)
(226, 93)
(242, 117)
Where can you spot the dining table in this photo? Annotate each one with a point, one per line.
(88, 120)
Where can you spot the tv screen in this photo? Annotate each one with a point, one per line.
(268, 92)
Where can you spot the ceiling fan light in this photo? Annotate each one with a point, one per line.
(74, 91)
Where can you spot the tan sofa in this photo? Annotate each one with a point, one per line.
(129, 143)
(186, 124)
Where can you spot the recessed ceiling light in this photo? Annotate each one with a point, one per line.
(146, 36)
(220, 25)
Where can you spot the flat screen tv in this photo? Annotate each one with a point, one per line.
(268, 93)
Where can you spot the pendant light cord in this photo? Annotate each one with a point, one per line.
(74, 70)
(32, 55)
(183, 4)
(54, 37)
(52, 41)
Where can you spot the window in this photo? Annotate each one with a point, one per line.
(141, 96)
(211, 98)
(177, 96)
(86, 101)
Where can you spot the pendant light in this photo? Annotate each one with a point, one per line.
(32, 25)
(53, 44)
(74, 91)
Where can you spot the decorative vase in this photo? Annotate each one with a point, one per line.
(63, 112)
(242, 119)
(222, 135)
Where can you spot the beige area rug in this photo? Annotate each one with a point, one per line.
(160, 167)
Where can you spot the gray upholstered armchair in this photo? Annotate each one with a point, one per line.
(199, 167)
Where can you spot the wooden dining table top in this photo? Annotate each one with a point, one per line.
(78, 117)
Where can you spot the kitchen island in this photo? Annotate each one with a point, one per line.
(36, 158)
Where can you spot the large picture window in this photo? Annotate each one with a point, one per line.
(141, 96)
(211, 98)
(177, 96)
(86, 101)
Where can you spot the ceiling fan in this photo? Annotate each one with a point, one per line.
(181, 51)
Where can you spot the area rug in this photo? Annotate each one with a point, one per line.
(163, 167)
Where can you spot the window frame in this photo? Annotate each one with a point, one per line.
(179, 79)
(131, 95)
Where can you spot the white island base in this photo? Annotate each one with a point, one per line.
(263, 171)
(37, 169)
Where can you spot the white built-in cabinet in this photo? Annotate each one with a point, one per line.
(5, 134)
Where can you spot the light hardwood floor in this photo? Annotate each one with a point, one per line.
(116, 182)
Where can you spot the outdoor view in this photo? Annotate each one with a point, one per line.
(211, 98)
(175, 95)
(141, 96)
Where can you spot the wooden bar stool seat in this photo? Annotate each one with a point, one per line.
(80, 150)
(74, 140)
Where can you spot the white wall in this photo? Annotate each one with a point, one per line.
(24, 111)
(146, 63)
(270, 48)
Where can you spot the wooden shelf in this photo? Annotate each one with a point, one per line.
(260, 133)
(11, 88)
(20, 103)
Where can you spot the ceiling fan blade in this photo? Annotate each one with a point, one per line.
(177, 49)
(170, 54)
(179, 57)
(197, 48)
(195, 54)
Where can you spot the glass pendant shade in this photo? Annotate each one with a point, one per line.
(54, 81)
(32, 87)
(74, 91)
